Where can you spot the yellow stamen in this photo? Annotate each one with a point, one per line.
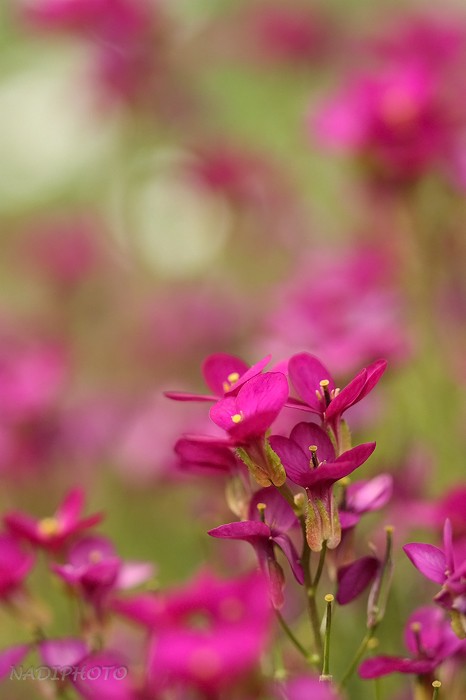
(261, 508)
(233, 377)
(49, 526)
(324, 384)
(237, 418)
(314, 458)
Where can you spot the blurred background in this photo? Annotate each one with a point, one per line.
(180, 178)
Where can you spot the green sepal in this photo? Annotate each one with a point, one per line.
(256, 471)
(278, 474)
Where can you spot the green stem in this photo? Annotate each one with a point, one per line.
(436, 686)
(291, 636)
(315, 621)
(328, 627)
(310, 591)
(320, 566)
(358, 656)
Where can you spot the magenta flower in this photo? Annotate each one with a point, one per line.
(94, 675)
(224, 375)
(15, 565)
(343, 305)
(318, 391)
(65, 250)
(269, 519)
(309, 460)
(364, 496)
(247, 417)
(305, 688)
(95, 570)
(440, 566)
(295, 34)
(55, 531)
(428, 638)
(249, 414)
(400, 122)
(210, 634)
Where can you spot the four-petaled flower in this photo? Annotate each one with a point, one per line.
(309, 459)
(53, 532)
(269, 519)
(224, 375)
(430, 640)
(318, 391)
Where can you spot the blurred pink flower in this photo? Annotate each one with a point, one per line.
(123, 34)
(404, 118)
(343, 306)
(210, 633)
(95, 570)
(143, 446)
(53, 532)
(189, 322)
(15, 565)
(33, 376)
(66, 251)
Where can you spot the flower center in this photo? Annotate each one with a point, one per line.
(237, 418)
(231, 379)
(49, 527)
(326, 395)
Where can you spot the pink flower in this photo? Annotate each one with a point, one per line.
(224, 375)
(249, 414)
(318, 390)
(429, 639)
(265, 532)
(55, 531)
(364, 496)
(95, 570)
(294, 34)
(343, 306)
(443, 567)
(66, 251)
(210, 633)
(401, 123)
(15, 565)
(123, 33)
(308, 457)
(33, 374)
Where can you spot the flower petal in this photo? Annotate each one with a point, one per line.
(306, 372)
(355, 577)
(428, 559)
(218, 367)
(383, 665)
(307, 434)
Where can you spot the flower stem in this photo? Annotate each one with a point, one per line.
(291, 636)
(436, 685)
(325, 676)
(320, 566)
(358, 656)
